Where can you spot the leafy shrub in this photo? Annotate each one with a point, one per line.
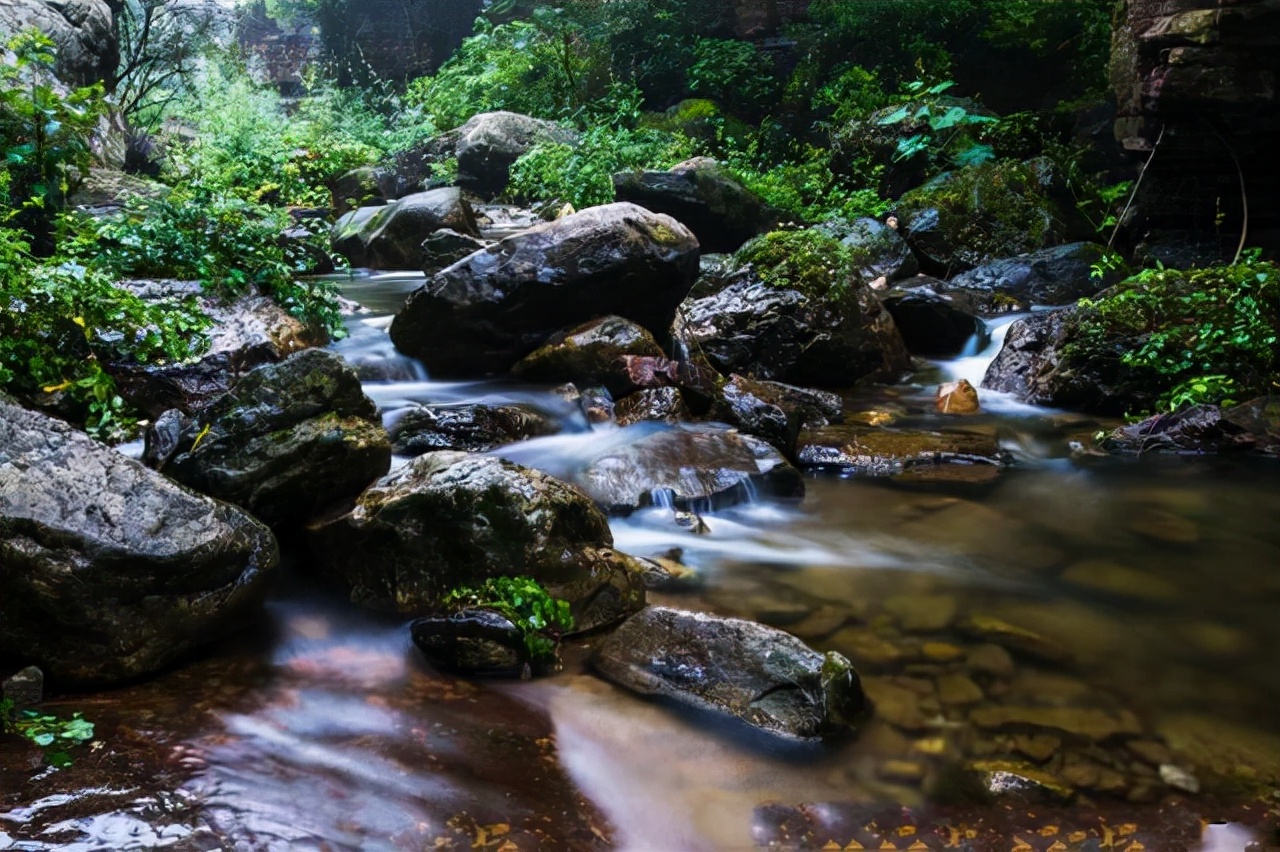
(47, 731)
(940, 126)
(541, 618)
(582, 174)
(853, 92)
(804, 188)
(805, 260)
(734, 71)
(1203, 335)
(60, 323)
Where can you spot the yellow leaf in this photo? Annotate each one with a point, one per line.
(78, 321)
(56, 388)
(200, 437)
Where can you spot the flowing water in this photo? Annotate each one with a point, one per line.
(323, 729)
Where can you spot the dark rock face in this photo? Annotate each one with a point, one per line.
(722, 213)
(767, 332)
(482, 315)
(591, 354)
(1254, 425)
(109, 571)
(446, 247)
(932, 323)
(774, 411)
(761, 675)
(698, 383)
(1038, 365)
(83, 31)
(689, 467)
(470, 428)
(1204, 73)
(392, 236)
(889, 452)
(286, 442)
(661, 404)
(1060, 275)
(451, 519)
(473, 642)
(246, 333)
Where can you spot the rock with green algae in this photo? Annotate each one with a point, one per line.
(590, 354)
(287, 442)
(448, 520)
(391, 237)
(108, 570)
(763, 676)
(482, 315)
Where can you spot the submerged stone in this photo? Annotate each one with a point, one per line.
(475, 642)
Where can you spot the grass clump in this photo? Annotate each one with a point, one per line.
(805, 260)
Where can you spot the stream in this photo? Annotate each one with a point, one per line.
(322, 729)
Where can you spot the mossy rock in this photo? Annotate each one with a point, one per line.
(976, 215)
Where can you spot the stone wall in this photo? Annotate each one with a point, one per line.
(1203, 72)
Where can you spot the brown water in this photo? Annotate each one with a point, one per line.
(1150, 588)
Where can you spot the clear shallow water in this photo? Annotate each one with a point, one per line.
(324, 730)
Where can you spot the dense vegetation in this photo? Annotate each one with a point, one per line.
(855, 112)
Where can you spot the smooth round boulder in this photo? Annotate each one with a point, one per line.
(449, 519)
(879, 251)
(486, 312)
(288, 441)
(761, 675)
(108, 570)
(722, 213)
(473, 642)
(590, 354)
(489, 143)
(391, 237)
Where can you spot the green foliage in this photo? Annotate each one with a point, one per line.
(805, 260)
(853, 92)
(231, 246)
(1202, 335)
(733, 71)
(582, 174)
(541, 618)
(49, 732)
(44, 130)
(940, 126)
(60, 323)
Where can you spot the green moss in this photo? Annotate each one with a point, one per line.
(994, 210)
(807, 260)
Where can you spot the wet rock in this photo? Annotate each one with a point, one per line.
(721, 212)
(1090, 775)
(473, 642)
(958, 398)
(1088, 723)
(109, 571)
(287, 442)
(470, 428)
(1060, 275)
(957, 689)
(689, 467)
(782, 334)
(867, 649)
(1179, 778)
(489, 143)
(597, 405)
(879, 251)
(895, 704)
(107, 191)
(652, 404)
(922, 613)
(590, 354)
(302, 253)
(761, 675)
(446, 247)
(663, 574)
(820, 623)
(247, 332)
(82, 30)
(451, 519)
(1115, 579)
(1014, 638)
(990, 660)
(482, 315)
(885, 452)
(1164, 527)
(1038, 747)
(392, 236)
(941, 652)
(367, 186)
(1197, 429)
(932, 323)
(774, 411)
(24, 688)
(698, 383)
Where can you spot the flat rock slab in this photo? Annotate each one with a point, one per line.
(889, 452)
(761, 675)
(108, 570)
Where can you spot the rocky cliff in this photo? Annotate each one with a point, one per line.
(82, 29)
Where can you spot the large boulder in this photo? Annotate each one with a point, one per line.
(391, 237)
(722, 213)
(83, 30)
(688, 467)
(932, 322)
(489, 143)
(109, 571)
(879, 251)
(785, 334)
(483, 314)
(1059, 275)
(761, 675)
(247, 332)
(287, 442)
(452, 519)
(590, 354)
(774, 411)
(471, 428)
